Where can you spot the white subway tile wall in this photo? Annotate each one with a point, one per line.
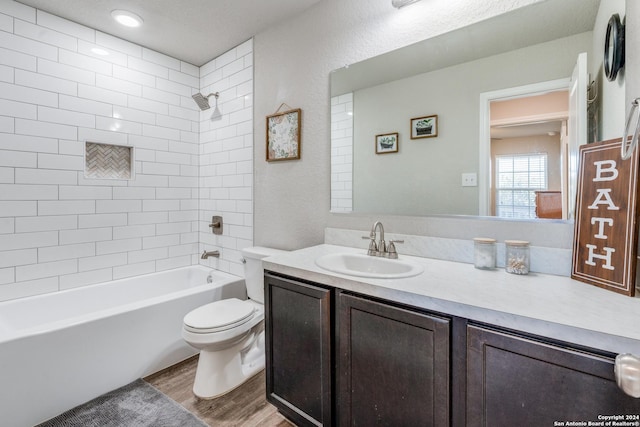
(226, 157)
(342, 153)
(60, 229)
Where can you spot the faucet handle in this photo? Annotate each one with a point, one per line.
(373, 246)
(391, 249)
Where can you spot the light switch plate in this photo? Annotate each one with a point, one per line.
(470, 179)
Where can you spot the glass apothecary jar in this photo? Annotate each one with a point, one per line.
(484, 253)
(516, 256)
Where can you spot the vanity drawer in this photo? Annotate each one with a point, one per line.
(513, 379)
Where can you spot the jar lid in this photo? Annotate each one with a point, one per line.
(484, 240)
(516, 242)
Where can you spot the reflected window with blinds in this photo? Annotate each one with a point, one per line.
(518, 177)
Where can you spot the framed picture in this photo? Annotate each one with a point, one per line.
(424, 127)
(283, 135)
(387, 143)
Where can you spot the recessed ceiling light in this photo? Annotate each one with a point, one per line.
(126, 18)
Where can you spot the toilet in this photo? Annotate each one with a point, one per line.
(230, 333)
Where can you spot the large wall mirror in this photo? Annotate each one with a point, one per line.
(488, 117)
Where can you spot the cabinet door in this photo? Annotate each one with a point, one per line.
(514, 380)
(298, 350)
(393, 365)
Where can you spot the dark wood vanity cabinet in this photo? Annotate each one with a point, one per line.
(516, 380)
(388, 365)
(343, 359)
(393, 365)
(299, 351)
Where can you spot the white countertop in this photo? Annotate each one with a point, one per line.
(552, 306)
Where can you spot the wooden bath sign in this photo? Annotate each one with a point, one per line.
(605, 239)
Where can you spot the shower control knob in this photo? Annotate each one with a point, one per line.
(216, 224)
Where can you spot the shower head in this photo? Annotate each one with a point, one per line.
(203, 101)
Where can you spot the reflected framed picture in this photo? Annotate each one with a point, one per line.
(283, 135)
(424, 127)
(387, 143)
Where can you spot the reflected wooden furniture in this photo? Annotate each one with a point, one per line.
(549, 204)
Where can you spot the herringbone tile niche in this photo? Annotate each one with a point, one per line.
(105, 161)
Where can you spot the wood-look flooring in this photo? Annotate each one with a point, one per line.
(245, 406)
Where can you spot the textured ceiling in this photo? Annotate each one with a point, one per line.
(537, 23)
(194, 31)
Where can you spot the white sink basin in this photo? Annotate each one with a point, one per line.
(368, 266)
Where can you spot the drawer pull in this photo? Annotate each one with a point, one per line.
(627, 372)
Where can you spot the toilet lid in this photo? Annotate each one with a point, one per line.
(219, 315)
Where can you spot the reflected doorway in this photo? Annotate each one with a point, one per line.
(528, 134)
(573, 132)
(521, 112)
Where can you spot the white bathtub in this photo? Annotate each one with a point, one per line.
(62, 349)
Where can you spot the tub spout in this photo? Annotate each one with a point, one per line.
(205, 254)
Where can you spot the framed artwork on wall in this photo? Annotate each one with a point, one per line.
(387, 143)
(283, 135)
(424, 127)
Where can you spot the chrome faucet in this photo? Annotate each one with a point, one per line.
(380, 248)
(205, 254)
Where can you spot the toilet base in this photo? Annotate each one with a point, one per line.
(222, 371)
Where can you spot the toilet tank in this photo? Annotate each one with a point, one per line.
(253, 271)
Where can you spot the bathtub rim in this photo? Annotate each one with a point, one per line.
(48, 327)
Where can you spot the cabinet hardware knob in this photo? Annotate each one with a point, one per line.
(627, 372)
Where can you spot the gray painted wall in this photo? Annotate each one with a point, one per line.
(424, 177)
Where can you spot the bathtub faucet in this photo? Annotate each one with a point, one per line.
(215, 254)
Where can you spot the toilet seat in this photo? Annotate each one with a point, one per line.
(219, 316)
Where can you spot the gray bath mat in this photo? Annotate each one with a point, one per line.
(137, 404)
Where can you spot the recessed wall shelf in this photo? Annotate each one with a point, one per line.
(106, 161)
